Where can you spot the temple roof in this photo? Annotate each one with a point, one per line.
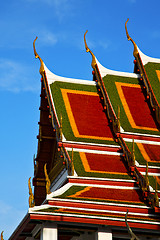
(99, 147)
(107, 113)
(97, 122)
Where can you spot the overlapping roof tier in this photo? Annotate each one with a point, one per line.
(103, 183)
(106, 154)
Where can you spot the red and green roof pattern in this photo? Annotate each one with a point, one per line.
(152, 70)
(101, 175)
(92, 202)
(83, 119)
(127, 93)
(101, 185)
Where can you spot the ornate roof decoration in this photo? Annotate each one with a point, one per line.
(2, 235)
(88, 50)
(104, 158)
(31, 196)
(48, 183)
(135, 52)
(41, 70)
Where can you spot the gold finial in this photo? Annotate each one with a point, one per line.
(133, 236)
(2, 235)
(31, 196)
(61, 128)
(135, 52)
(133, 155)
(146, 176)
(72, 163)
(48, 183)
(88, 50)
(156, 194)
(41, 70)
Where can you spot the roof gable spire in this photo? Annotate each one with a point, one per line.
(88, 50)
(135, 52)
(41, 70)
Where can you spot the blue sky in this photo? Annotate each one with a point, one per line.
(60, 26)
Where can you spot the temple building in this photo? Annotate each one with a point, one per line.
(97, 167)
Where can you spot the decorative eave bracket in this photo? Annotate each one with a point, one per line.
(48, 183)
(93, 64)
(31, 196)
(41, 70)
(135, 52)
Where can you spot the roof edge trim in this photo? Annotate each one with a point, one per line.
(145, 58)
(51, 78)
(105, 71)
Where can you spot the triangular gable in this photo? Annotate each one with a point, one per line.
(151, 66)
(149, 71)
(80, 109)
(127, 93)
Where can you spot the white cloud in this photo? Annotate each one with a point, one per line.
(16, 77)
(104, 44)
(62, 8)
(48, 38)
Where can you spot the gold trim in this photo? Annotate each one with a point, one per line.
(119, 86)
(70, 114)
(31, 196)
(41, 70)
(61, 122)
(135, 52)
(87, 166)
(77, 194)
(72, 163)
(88, 50)
(48, 183)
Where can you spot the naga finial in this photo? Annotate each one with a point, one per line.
(88, 50)
(48, 183)
(31, 196)
(135, 52)
(41, 70)
(2, 235)
(133, 236)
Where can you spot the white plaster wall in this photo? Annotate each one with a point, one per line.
(103, 234)
(49, 233)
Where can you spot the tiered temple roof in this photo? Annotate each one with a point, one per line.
(98, 151)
